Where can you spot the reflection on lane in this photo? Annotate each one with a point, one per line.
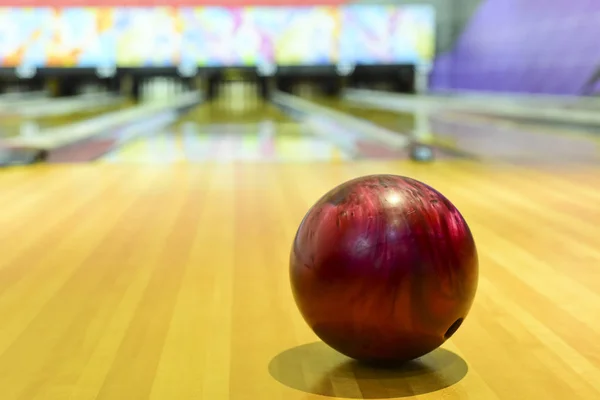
(216, 133)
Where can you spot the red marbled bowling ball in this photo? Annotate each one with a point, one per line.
(384, 268)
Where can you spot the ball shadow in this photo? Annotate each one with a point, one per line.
(316, 368)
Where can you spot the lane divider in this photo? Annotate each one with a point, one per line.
(91, 139)
(45, 107)
(538, 99)
(11, 97)
(455, 120)
(344, 130)
(54, 138)
(498, 107)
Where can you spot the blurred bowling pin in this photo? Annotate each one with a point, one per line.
(160, 89)
(29, 129)
(148, 84)
(154, 88)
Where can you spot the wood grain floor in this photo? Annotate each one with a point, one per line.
(170, 282)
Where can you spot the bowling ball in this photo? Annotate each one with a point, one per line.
(384, 268)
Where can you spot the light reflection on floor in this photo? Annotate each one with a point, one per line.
(267, 141)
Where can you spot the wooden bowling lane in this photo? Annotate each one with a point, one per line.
(137, 282)
(13, 126)
(496, 140)
(212, 132)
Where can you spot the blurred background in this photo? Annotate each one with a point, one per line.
(120, 81)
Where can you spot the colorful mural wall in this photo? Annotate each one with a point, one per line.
(215, 36)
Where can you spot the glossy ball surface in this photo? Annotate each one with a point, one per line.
(384, 268)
